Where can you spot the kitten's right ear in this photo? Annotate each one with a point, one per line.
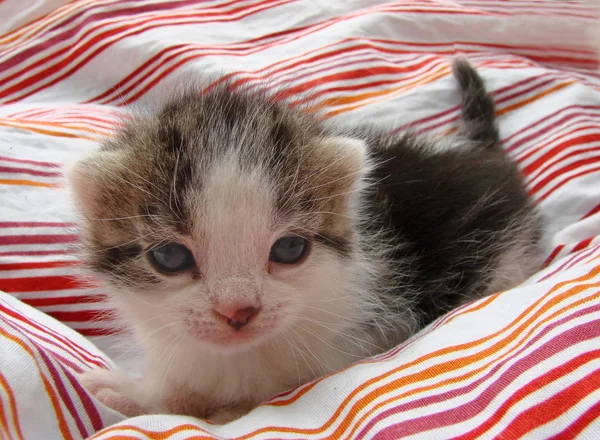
(89, 177)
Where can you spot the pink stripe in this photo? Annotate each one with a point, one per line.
(555, 176)
(35, 253)
(452, 113)
(88, 404)
(37, 239)
(562, 266)
(100, 18)
(126, 32)
(580, 256)
(59, 385)
(30, 172)
(30, 162)
(468, 410)
(35, 224)
(63, 342)
(545, 128)
(557, 250)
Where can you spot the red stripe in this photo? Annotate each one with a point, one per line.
(37, 239)
(558, 8)
(52, 337)
(35, 224)
(554, 135)
(561, 172)
(570, 178)
(546, 118)
(532, 88)
(582, 244)
(113, 93)
(36, 353)
(39, 284)
(88, 404)
(543, 162)
(36, 265)
(100, 18)
(592, 212)
(557, 404)
(540, 140)
(127, 30)
(270, 69)
(59, 385)
(580, 256)
(63, 300)
(453, 112)
(35, 253)
(553, 255)
(96, 332)
(30, 162)
(563, 265)
(78, 316)
(301, 89)
(141, 91)
(545, 129)
(30, 172)
(580, 424)
(313, 61)
(532, 418)
(490, 385)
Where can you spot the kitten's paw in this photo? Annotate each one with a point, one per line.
(113, 389)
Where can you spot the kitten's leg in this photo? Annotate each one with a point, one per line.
(115, 390)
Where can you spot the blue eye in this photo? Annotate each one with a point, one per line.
(289, 250)
(171, 257)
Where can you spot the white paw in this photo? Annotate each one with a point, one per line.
(113, 389)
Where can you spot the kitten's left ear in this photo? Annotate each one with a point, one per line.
(349, 154)
(90, 176)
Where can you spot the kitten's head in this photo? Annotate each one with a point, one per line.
(224, 218)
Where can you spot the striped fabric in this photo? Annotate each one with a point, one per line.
(523, 363)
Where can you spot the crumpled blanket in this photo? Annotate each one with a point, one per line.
(521, 363)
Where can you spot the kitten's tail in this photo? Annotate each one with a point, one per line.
(478, 109)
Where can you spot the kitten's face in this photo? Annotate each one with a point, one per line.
(223, 220)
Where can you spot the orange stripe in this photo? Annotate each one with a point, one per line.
(425, 80)
(454, 364)
(46, 132)
(17, 123)
(357, 98)
(483, 304)
(43, 21)
(450, 365)
(33, 127)
(408, 379)
(442, 352)
(13, 408)
(295, 397)
(4, 431)
(158, 435)
(27, 183)
(307, 388)
(523, 103)
(60, 416)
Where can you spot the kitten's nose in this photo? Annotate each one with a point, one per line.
(237, 317)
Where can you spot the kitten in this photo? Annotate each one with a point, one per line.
(251, 249)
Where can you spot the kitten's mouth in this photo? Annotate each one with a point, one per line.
(234, 341)
(231, 336)
(235, 338)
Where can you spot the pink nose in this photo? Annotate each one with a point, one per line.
(236, 317)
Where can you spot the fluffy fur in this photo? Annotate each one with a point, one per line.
(402, 229)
